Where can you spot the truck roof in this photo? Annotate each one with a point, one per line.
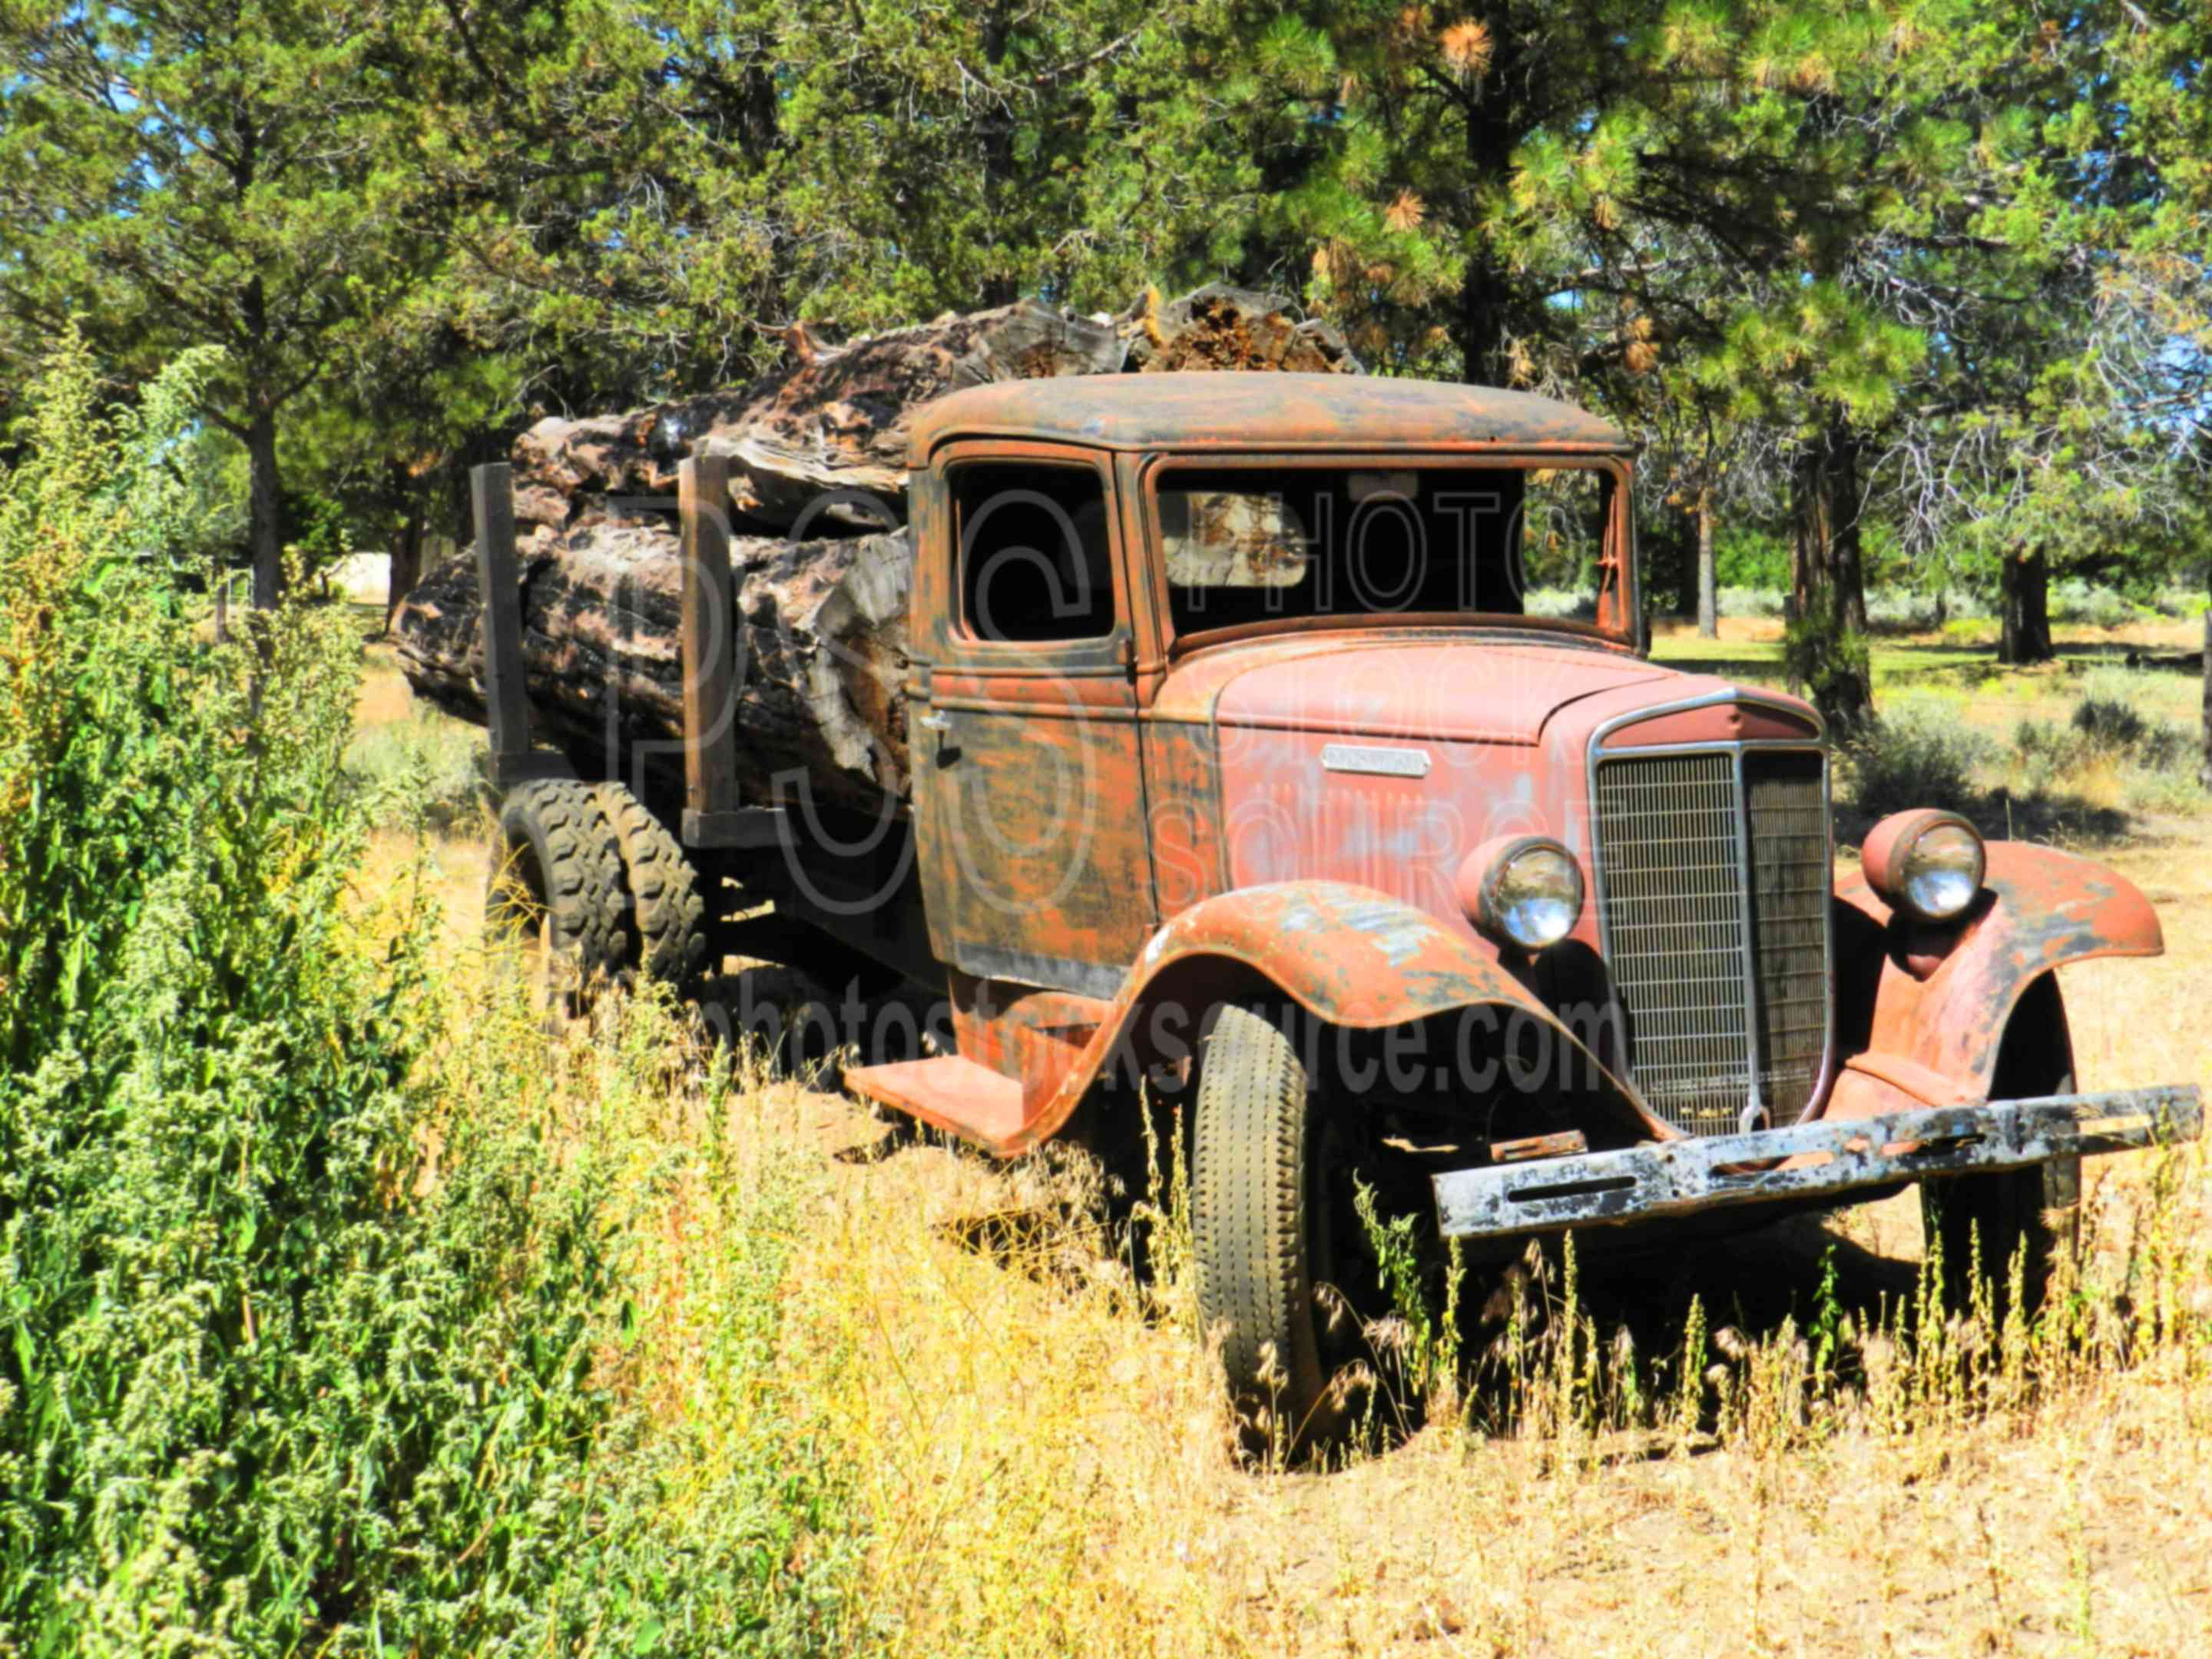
(1258, 411)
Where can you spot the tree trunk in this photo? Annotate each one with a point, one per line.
(1485, 288)
(2206, 774)
(2024, 584)
(406, 561)
(263, 508)
(1827, 653)
(1709, 593)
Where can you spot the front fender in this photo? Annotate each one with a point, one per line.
(1939, 999)
(1349, 956)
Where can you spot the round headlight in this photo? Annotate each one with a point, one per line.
(1943, 871)
(1530, 891)
(1930, 863)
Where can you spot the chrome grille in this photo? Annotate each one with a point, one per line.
(1717, 941)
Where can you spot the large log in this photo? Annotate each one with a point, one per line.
(837, 419)
(821, 647)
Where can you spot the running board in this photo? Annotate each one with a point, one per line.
(1811, 1160)
(949, 1092)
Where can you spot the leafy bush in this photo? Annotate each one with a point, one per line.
(1745, 556)
(2109, 724)
(1913, 755)
(1898, 607)
(2075, 600)
(1753, 601)
(293, 1361)
(2105, 727)
(419, 770)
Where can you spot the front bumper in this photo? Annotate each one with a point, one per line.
(1685, 1177)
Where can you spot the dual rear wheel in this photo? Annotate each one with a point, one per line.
(594, 887)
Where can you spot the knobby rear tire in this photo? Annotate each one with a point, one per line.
(557, 871)
(665, 912)
(1254, 1198)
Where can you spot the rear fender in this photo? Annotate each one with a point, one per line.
(1349, 956)
(1927, 1007)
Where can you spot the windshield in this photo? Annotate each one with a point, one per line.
(1261, 544)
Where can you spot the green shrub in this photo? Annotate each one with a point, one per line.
(1913, 755)
(1745, 556)
(2075, 599)
(2108, 724)
(295, 1361)
(1753, 601)
(421, 769)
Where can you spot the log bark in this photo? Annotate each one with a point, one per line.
(820, 647)
(835, 420)
(1218, 327)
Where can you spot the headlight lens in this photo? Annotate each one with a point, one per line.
(1533, 894)
(1942, 869)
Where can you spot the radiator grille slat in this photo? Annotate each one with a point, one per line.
(1675, 838)
(1788, 812)
(1667, 829)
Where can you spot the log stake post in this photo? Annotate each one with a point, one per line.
(507, 700)
(710, 736)
(507, 706)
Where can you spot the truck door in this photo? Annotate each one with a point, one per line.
(1029, 805)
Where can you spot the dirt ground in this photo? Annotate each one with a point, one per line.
(1049, 1472)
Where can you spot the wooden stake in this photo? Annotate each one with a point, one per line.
(507, 707)
(710, 657)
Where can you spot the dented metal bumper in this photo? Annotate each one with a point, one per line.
(1810, 1161)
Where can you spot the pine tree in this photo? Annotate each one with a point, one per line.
(211, 172)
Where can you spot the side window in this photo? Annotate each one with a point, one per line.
(1035, 556)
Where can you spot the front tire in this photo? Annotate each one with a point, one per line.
(1256, 1198)
(2010, 1211)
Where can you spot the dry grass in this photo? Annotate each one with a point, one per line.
(1041, 1456)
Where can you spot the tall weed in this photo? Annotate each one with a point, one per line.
(315, 1335)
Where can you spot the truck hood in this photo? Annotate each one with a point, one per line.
(1458, 690)
(1384, 761)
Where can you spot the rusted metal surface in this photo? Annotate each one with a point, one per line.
(1258, 411)
(1825, 1160)
(1350, 956)
(1424, 692)
(1028, 782)
(1132, 826)
(1942, 996)
(949, 1092)
(1733, 721)
(1566, 1143)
